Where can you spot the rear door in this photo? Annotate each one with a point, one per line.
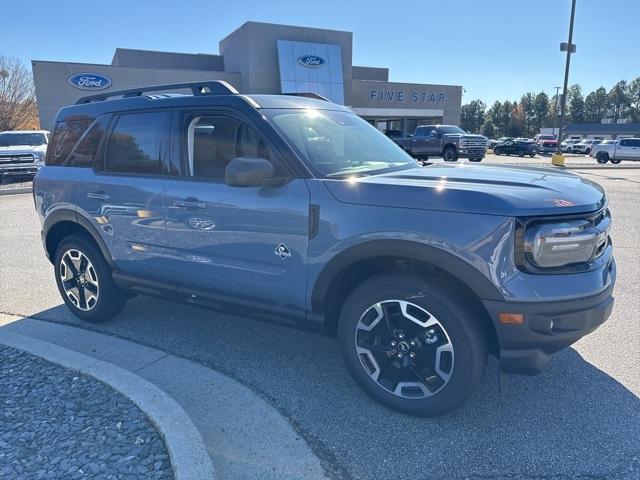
(634, 144)
(625, 150)
(245, 243)
(122, 196)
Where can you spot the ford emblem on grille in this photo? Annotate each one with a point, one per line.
(311, 61)
(89, 81)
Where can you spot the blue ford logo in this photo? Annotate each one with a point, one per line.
(89, 81)
(311, 61)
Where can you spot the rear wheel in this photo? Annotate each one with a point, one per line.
(615, 160)
(450, 154)
(476, 159)
(497, 151)
(411, 345)
(84, 280)
(602, 157)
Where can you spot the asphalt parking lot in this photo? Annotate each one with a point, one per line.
(579, 419)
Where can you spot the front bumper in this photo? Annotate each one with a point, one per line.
(471, 152)
(547, 328)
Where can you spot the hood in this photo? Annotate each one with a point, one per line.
(465, 135)
(482, 189)
(23, 149)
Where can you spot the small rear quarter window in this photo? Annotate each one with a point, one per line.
(65, 137)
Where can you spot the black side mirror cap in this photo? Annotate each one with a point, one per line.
(248, 172)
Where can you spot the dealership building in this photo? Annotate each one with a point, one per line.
(259, 58)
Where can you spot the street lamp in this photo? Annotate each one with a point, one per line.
(570, 48)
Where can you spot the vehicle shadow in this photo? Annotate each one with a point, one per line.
(573, 420)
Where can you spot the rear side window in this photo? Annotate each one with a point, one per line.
(65, 137)
(84, 151)
(634, 142)
(135, 144)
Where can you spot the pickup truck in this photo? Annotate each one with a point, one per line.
(621, 149)
(22, 152)
(447, 141)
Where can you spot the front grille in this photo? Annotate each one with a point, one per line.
(16, 158)
(473, 143)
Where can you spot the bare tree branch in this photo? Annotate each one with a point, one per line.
(17, 94)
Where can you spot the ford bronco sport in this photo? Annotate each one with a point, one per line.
(294, 209)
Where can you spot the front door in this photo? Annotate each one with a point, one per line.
(247, 244)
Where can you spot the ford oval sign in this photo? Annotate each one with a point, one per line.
(89, 81)
(311, 61)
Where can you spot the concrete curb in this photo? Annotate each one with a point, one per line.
(188, 454)
(15, 191)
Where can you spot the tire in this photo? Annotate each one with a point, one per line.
(587, 151)
(615, 161)
(521, 154)
(89, 291)
(450, 154)
(457, 343)
(602, 157)
(477, 159)
(497, 151)
(532, 155)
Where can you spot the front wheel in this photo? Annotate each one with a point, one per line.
(602, 157)
(450, 154)
(411, 345)
(84, 280)
(477, 159)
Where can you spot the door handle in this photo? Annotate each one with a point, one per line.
(98, 195)
(189, 203)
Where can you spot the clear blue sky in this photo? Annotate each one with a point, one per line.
(495, 49)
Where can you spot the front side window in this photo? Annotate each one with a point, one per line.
(335, 143)
(213, 141)
(135, 144)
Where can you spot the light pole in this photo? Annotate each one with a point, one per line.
(570, 48)
(555, 110)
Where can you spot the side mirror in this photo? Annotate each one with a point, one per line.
(248, 172)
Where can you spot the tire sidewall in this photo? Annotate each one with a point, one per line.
(469, 360)
(109, 299)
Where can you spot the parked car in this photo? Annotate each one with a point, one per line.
(493, 143)
(22, 152)
(447, 141)
(543, 136)
(516, 147)
(393, 133)
(547, 146)
(615, 151)
(296, 210)
(565, 145)
(584, 146)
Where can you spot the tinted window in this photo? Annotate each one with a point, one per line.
(65, 137)
(634, 142)
(135, 143)
(212, 142)
(83, 153)
(625, 143)
(19, 139)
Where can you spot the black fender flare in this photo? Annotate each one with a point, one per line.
(435, 256)
(68, 215)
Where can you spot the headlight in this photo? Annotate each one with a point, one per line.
(570, 242)
(39, 157)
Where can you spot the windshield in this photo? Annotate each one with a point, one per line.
(15, 139)
(451, 129)
(336, 144)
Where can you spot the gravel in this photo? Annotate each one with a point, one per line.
(58, 424)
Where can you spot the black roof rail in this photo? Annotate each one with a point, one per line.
(211, 87)
(309, 95)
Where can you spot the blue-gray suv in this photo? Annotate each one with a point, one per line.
(295, 210)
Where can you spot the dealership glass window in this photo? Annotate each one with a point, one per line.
(136, 142)
(212, 142)
(65, 137)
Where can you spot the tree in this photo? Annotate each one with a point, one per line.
(526, 113)
(540, 111)
(489, 129)
(472, 116)
(576, 104)
(618, 101)
(17, 95)
(595, 105)
(634, 100)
